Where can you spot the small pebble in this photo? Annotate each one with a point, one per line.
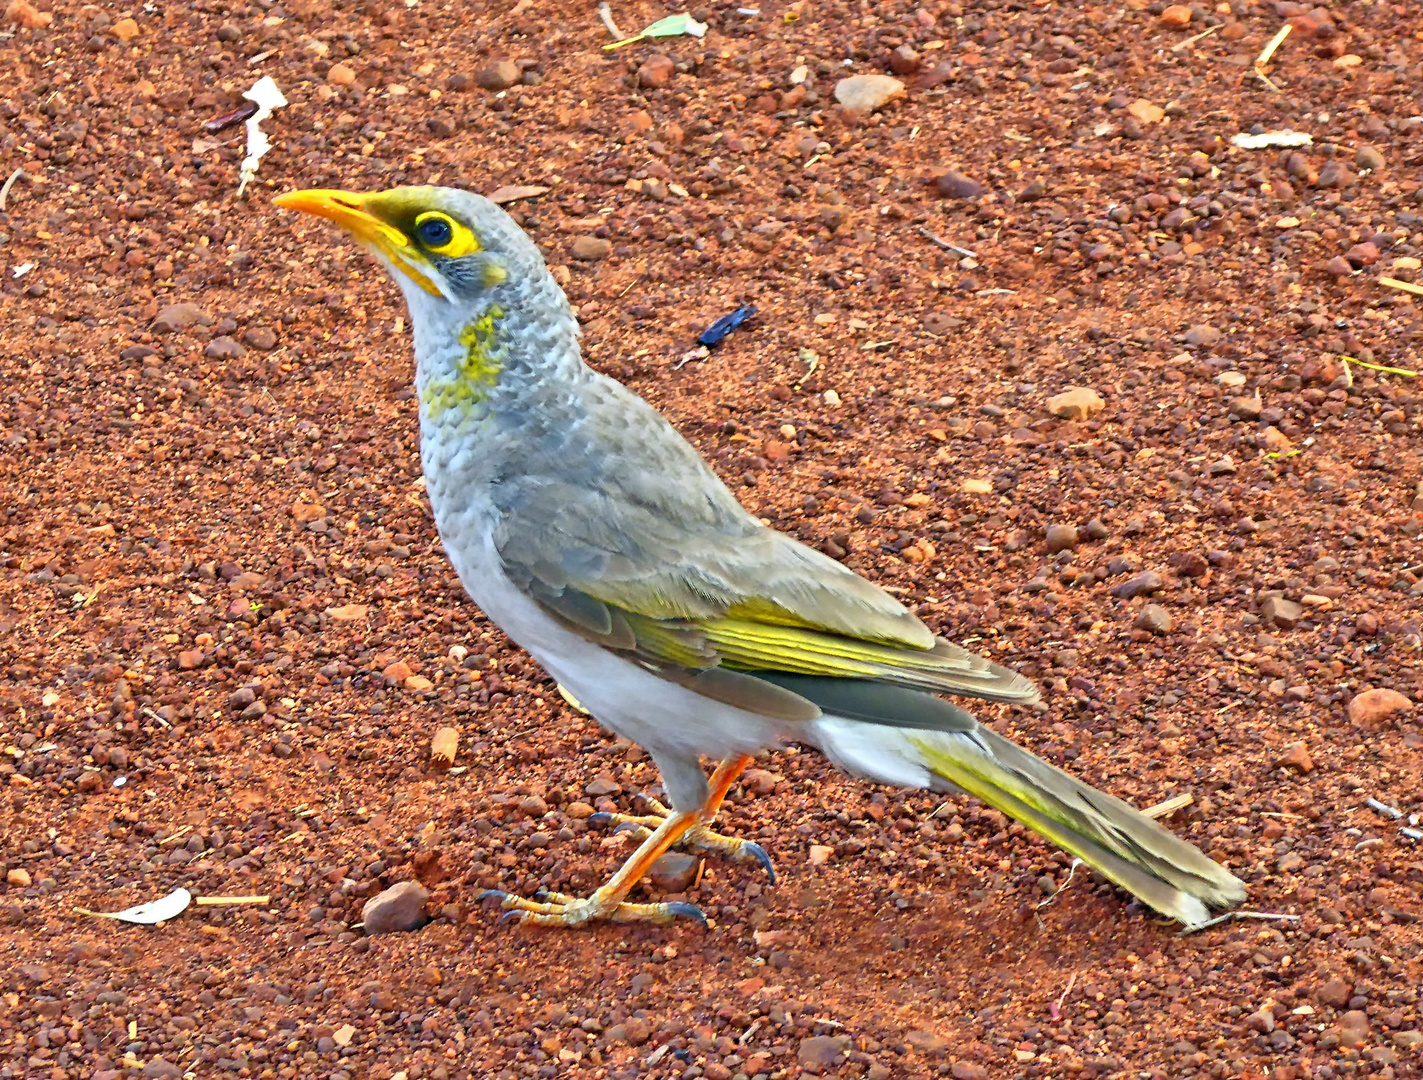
(1076, 403)
(1154, 618)
(955, 185)
(1295, 757)
(1143, 584)
(1373, 706)
(224, 348)
(591, 248)
(863, 94)
(1285, 614)
(657, 70)
(399, 908)
(499, 75)
(1368, 157)
(179, 317)
(674, 871)
(261, 338)
(1061, 537)
(1203, 335)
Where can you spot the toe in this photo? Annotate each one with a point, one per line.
(752, 852)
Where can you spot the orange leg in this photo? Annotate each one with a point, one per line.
(609, 901)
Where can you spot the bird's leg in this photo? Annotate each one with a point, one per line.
(699, 839)
(609, 901)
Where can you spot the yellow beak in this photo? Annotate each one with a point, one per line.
(353, 212)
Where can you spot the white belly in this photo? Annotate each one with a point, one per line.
(626, 698)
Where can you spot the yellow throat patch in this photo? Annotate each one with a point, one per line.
(477, 373)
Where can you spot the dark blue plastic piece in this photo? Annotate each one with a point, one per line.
(725, 325)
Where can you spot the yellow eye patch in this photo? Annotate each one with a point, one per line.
(440, 234)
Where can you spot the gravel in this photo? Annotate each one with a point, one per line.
(137, 463)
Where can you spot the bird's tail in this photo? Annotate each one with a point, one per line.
(1115, 839)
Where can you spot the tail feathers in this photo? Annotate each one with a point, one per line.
(1112, 837)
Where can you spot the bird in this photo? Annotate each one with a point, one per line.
(600, 541)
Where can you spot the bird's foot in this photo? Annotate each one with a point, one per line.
(698, 840)
(557, 909)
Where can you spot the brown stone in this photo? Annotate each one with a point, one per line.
(1374, 706)
(23, 13)
(674, 872)
(399, 908)
(657, 70)
(955, 185)
(1283, 613)
(1335, 993)
(1154, 619)
(179, 317)
(1361, 255)
(1076, 403)
(591, 248)
(904, 61)
(1176, 16)
(1145, 112)
(823, 1050)
(1353, 1029)
(1296, 757)
(397, 672)
(499, 75)
(927, 1042)
(759, 781)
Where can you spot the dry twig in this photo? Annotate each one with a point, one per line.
(18, 174)
(965, 252)
(1188, 42)
(1273, 44)
(1392, 283)
(223, 901)
(606, 14)
(1229, 915)
(1169, 806)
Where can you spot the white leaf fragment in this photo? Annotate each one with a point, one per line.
(265, 95)
(155, 911)
(1267, 139)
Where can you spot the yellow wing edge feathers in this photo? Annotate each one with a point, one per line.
(775, 640)
(1113, 837)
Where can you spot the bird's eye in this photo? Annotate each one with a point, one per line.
(442, 235)
(435, 231)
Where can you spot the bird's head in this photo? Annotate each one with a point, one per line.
(451, 245)
(487, 316)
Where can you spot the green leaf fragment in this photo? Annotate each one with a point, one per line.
(671, 26)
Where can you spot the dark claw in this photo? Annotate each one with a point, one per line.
(600, 818)
(515, 914)
(689, 910)
(488, 894)
(757, 852)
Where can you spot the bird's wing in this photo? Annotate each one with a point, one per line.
(655, 558)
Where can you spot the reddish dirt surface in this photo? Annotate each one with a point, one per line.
(216, 547)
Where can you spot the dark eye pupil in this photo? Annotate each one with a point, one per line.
(435, 232)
